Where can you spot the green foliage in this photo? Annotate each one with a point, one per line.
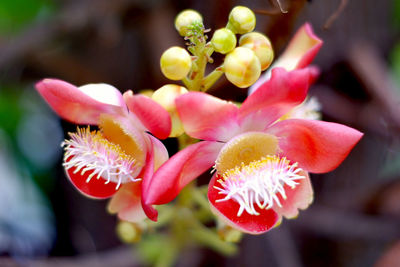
(16, 14)
(396, 12)
(10, 111)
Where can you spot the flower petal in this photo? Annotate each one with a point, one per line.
(179, 170)
(298, 198)
(152, 115)
(81, 105)
(148, 175)
(207, 117)
(126, 202)
(227, 211)
(317, 146)
(95, 188)
(300, 52)
(160, 152)
(274, 98)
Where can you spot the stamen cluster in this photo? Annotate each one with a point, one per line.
(89, 151)
(259, 183)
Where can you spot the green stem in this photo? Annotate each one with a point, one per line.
(211, 78)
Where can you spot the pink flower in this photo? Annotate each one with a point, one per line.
(119, 159)
(261, 164)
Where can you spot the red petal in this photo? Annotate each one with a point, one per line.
(274, 98)
(317, 146)
(153, 116)
(207, 117)
(179, 170)
(148, 175)
(298, 198)
(95, 188)
(81, 106)
(227, 211)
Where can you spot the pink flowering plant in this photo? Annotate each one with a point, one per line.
(260, 152)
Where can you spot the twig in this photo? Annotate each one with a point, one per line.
(120, 257)
(373, 74)
(346, 225)
(335, 15)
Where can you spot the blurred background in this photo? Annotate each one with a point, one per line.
(44, 221)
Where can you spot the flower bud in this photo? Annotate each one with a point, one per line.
(241, 20)
(165, 96)
(185, 19)
(175, 63)
(261, 45)
(242, 67)
(223, 41)
(128, 232)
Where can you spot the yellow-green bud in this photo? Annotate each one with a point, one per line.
(223, 41)
(128, 232)
(165, 96)
(185, 19)
(175, 63)
(242, 67)
(241, 20)
(261, 45)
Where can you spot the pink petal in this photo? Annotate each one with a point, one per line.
(227, 211)
(153, 116)
(95, 188)
(274, 98)
(148, 175)
(127, 203)
(317, 146)
(301, 50)
(298, 198)
(207, 117)
(81, 105)
(160, 152)
(179, 170)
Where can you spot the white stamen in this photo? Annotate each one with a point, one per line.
(259, 183)
(90, 151)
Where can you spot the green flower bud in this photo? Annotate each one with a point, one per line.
(185, 19)
(223, 41)
(175, 63)
(165, 96)
(261, 45)
(242, 67)
(241, 20)
(128, 232)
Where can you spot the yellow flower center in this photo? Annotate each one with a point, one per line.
(252, 174)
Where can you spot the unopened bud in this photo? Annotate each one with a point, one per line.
(185, 19)
(128, 232)
(175, 63)
(241, 20)
(223, 41)
(165, 96)
(242, 67)
(261, 45)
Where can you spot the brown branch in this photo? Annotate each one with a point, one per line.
(120, 257)
(39, 35)
(347, 225)
(373, 73)
(335, 15)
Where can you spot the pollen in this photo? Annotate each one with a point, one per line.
(90, 151)
(260, 183)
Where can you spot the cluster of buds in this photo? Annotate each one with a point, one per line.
(244, 58)
(262, 152)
